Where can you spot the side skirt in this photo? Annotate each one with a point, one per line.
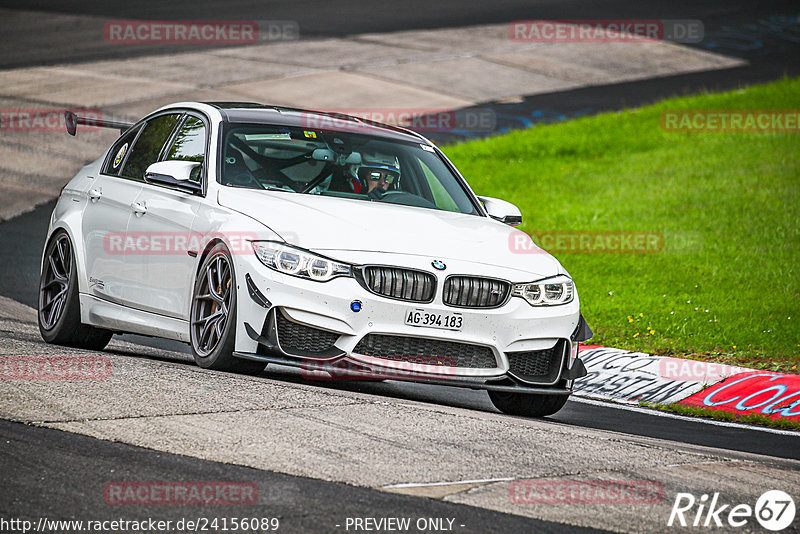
(111, 316)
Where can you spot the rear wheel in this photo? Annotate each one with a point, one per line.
(527, 405)
(59, 305)
(213, 316)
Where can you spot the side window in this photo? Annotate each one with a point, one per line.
(147, 147)
(190, 145)
(118, 152)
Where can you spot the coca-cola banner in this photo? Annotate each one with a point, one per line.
(772, 394)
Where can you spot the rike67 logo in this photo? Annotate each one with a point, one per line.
(774, 510)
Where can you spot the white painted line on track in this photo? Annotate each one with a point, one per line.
(431, 484)
(659, 413)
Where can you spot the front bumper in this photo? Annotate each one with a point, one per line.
(502, 339)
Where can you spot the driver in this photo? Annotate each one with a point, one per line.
(376, 174)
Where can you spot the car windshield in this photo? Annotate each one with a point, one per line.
(340, 164)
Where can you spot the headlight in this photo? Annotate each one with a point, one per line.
(548, 292)
(298, 262)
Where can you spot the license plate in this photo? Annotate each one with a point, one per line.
(429, 319)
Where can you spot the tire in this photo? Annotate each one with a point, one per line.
(213, 339)
(527, 405)
(59, 311)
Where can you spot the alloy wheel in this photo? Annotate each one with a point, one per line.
(212, 306)
(55, 282)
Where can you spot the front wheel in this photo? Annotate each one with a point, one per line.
(59, 305)
(527, 405)
(213, 317)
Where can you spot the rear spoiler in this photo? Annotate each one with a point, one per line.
(72, 122)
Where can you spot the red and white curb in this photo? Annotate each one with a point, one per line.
(630, 377)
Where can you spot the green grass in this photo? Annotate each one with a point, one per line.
(719, 415)
(726, 286)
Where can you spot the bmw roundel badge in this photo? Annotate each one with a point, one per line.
(439, 265)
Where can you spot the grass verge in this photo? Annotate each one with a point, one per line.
(725, 285)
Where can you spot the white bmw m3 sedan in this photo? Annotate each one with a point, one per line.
(340, 246)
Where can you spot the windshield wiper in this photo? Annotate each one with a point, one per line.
(273, 188)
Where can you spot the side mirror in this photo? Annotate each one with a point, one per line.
(173, 173)
(503, 211)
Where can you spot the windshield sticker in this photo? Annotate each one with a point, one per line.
(120, 155)
(312, 135)
(266, 136)
(427, 147)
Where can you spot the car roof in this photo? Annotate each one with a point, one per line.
(252, 112)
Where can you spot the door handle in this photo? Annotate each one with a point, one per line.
(139, 208)
(95, 194)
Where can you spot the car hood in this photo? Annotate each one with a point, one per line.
(321, 224)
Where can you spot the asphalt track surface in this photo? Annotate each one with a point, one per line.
(771, 54)
(49, 472)
(766, 34)
(40, 42)
(25, 235)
